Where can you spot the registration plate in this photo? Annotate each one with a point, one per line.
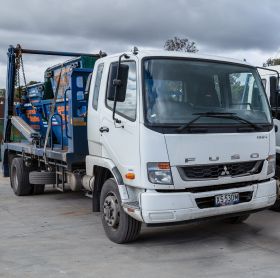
(226, 199)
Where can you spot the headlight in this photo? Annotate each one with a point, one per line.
(271, 164)
(159, 173)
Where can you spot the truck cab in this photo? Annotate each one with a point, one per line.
(270, 80)
(193, 138)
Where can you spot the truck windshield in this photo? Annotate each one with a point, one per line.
(176, 91)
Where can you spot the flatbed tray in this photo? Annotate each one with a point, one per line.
(55, 154)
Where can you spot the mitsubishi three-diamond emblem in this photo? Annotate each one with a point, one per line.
(225, 172)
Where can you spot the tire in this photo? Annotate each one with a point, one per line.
(276, 206)
(19, 177)
(237, 219)
(42, 178)
(38, 189)
(10, 160)
(122, 228)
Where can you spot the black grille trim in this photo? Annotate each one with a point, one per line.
(209, 188)
(209, 202)
(215, 171)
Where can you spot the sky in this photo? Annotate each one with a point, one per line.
(232, 28)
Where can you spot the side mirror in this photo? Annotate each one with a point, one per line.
(273, 85)
(117, 82)
(274, 91)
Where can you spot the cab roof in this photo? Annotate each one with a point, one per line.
(177, 54)
(268, 71)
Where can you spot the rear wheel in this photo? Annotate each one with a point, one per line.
(119, 226)
(237, 219)
(38, 189)
(19, 177)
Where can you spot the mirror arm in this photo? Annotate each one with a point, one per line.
(114, 112)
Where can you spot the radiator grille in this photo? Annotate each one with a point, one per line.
(215, 171)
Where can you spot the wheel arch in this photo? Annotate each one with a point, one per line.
(103, 169)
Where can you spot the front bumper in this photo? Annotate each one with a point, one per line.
(171, 207)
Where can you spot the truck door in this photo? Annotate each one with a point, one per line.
(120, 141)
(274, 103)
(98, 84)
(272, 98)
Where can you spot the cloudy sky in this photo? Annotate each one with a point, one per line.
(234, 28)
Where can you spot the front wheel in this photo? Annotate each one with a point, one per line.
(276, 206)
(119, 226)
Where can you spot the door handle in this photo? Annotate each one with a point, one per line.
(104, 129)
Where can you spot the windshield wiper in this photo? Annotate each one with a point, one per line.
(218, 115)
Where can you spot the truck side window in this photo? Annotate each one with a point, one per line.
(97, 86)
(127, 109)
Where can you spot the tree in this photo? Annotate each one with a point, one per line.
(272, 62)
(237, 87)
(178, 44)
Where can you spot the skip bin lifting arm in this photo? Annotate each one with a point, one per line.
(59, 53)
(9, 96)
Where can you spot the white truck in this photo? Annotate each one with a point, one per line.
(173, 137)
(270, 80)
